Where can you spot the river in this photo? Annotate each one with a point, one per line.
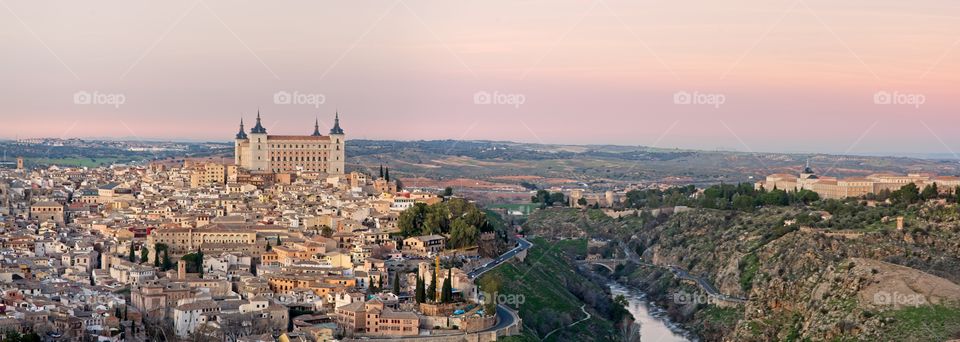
(654, 324)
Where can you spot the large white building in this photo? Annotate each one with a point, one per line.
(258, 151)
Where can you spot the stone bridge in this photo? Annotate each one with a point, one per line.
(610, 264)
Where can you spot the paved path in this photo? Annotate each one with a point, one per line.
(582, 308)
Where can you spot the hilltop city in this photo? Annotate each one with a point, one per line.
(281, 243)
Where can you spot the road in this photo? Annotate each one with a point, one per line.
(683, 274)
(522, 244)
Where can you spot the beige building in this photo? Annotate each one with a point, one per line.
(210, 173)
(837, 188)
(258, 151)
(47, 212)
(372, 318)
(424, 244)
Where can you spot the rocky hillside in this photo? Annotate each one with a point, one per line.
(802, 284)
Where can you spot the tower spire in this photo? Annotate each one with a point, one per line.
(242, 134)
(258, 128)
(336, 124)
(316, 128)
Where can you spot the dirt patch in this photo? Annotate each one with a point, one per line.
(895, 286)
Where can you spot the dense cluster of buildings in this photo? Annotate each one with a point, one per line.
(837, 188)
(281, 243)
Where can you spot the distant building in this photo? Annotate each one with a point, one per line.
(260, 152)
(837, 188)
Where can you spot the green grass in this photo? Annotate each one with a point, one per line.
(541, 280)
(80, 162)
(923, 323)
(749, 265)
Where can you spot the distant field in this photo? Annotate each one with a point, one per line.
(525, 208)
(80, 162)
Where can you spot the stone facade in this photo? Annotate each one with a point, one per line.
(260, 152)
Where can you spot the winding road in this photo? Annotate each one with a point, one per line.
(522, 244)
(684, 274)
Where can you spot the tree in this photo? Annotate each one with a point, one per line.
(582, 201)
(386, 175)
(446, 294)
(462, 234)
(396, 283)
(132, 257)
(381, 170)
(557, 197)
(269, 247)
(447, 192)
(432, 289)
(326, 231)
(420, 294)
(907, 194)
(144, 254)
(166, 264)
(743, 203)
(279, 243)
(930, 192)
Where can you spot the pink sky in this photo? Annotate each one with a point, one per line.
(794, 75)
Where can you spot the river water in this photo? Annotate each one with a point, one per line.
(654, 324)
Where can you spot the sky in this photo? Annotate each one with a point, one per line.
(852, 77)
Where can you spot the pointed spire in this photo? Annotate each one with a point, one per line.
(242, 134)
(336, 124)
(316, 128)
(258, 128)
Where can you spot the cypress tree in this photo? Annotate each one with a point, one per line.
(446, 294)
(167, 264)
(421, 296)
(396, 283)
(132, 257)
(432, 289)
(387, 175)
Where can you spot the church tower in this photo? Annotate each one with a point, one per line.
(238, 146)
(259, 156)
(337, 155)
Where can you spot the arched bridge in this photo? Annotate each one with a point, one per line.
(610, 264)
